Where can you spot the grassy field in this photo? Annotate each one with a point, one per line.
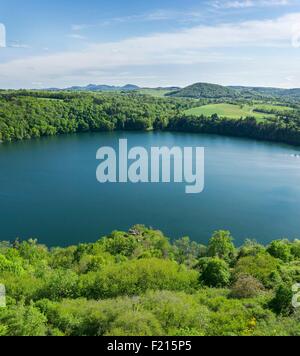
(227, 110)
(157, 93)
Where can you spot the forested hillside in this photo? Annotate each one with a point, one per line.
(32, 114)
(25, 115)
(206, 91)
(139, 283)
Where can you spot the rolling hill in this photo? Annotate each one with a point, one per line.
(214, 91)
(94, 87)
(205, 90)
(197, 91)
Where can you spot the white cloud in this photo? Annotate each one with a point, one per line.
(76, 36)
(241, 4)
(200, 44)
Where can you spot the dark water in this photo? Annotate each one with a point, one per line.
(48, 190)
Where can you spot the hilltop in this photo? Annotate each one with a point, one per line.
(214, 91)
(205, 90)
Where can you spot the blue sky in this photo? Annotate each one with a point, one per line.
(149, 43)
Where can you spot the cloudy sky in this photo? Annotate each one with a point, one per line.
(60, 43)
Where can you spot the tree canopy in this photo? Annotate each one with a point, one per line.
(142, 283)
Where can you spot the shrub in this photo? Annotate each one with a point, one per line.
(295, 249)
(60, 284)
(280, 249)
(21, 320)
(215, 273)
(177, 311)
(135, 323)
(282, 302)
(246, 286)
(260, 266)
(251, 248)
(136, 277)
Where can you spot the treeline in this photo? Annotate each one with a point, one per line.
(25, 115)
(282, 129)
(30, 114)
(139, 283)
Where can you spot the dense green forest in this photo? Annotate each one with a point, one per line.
(25, 114)
(139, 283)
(31, 114)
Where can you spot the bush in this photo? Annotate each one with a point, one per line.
(260, 266)
(135, 323)
(282, 302)
(14, 266)
(280, 249)
(250, 248)
(177, 311)
(215, 273)
(136, 277)
(120, 243)
(21, 320)
(60, 284)
(246, 287)
(295, 249)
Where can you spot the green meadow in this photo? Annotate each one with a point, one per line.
(228, 110)
(157, 93)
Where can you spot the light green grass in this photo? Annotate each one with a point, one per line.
(227, 110)
(157, 93)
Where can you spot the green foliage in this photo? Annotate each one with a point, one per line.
(136, 277)
(260, 266)
(119, 243)
(187, 251)
(280, 249)
(215, 273)
(26, 114)
(177, 311)
(8, 265)
(60, 284)
(295, 249)
(251, 248)
(246, 287)
(21, 320)
(139, 283)
(221, 246)
(282, 302)
(284, 128)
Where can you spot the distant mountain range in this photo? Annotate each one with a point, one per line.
(198, 91)
(95, 87)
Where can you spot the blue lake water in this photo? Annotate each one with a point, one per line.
(49, 191)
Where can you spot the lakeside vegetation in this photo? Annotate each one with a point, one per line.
(31, 114)
(139, 283)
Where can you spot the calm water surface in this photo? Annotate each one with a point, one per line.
(48, 190)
